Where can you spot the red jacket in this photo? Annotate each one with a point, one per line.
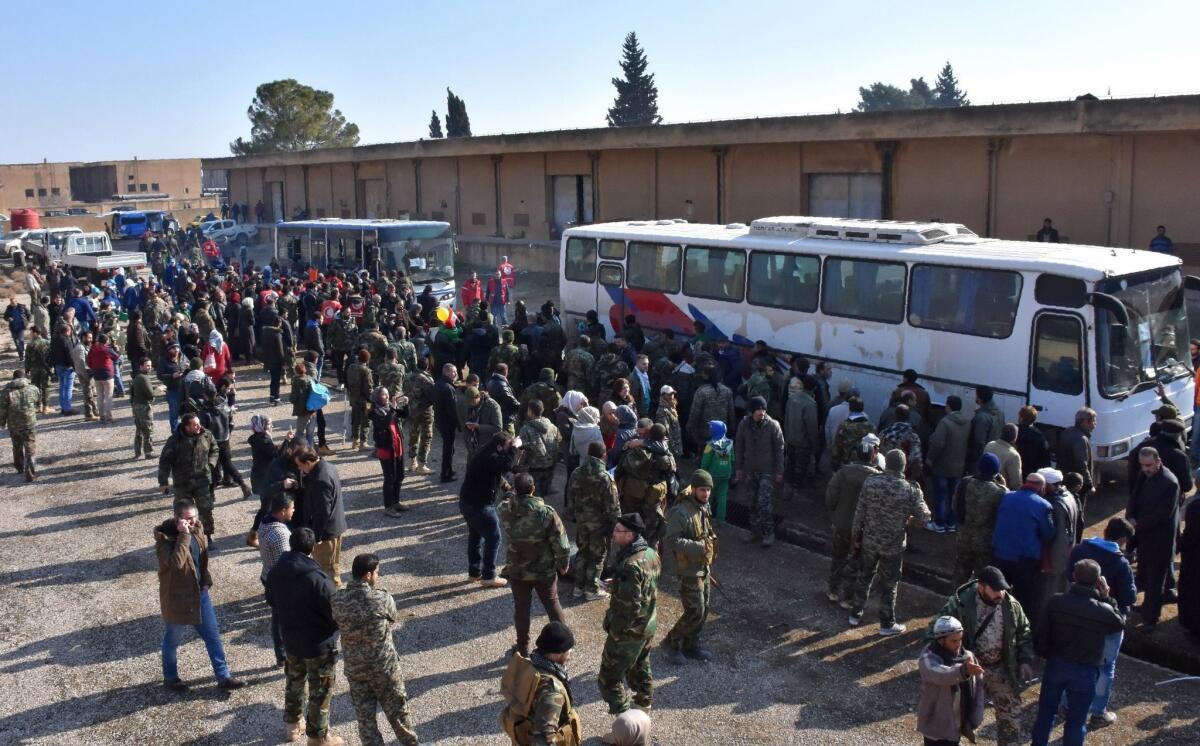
(100, 361)
(216, 364)
(497, 291)
(509, 273)
(472, 293)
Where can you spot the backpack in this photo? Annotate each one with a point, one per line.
(318, 397)
(519, 686)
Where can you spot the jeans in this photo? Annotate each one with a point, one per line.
(1078, 683)
(1108, 672)
(276, 635)
(483, 531)
(499, 314)
(943, 492)
(19, 341)
(306, 425)
(66, 382)
(209, 632)
(118, 382)
(173, 408)
(276, 375)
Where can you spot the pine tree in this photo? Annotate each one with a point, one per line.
(637, 97)
(946, 93)
(458, 124)
(435, 126)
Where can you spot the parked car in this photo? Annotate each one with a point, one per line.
(227, 231)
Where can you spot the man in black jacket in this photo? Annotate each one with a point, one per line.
(445, 416)
(1071, 637)
(1074, 453)
(499, 389)
(477, 503)
(324, 509)
(1153, 511)
(310, 636)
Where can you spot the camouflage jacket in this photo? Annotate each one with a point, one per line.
(406, 353)
(709, 403)
(37, 354)
(108, 322)
(510, 355)
(391, 377)
(552, 716)
(375, 343)
(364, 616)
(539, 444)
(188, 459)
(289, 307)
(359, 383)
(976, 502)
(690, 536)
(578, 366)
(607, 369)
(849, 434)
(538, 546)
(546, 393)
(669, 418)
(342, 334)
(19, 405)
(594, 495)
(886, 504)
(634, 589)
(419, 389)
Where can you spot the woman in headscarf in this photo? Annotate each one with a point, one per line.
(217, 359)
(262, 452)
(564, 419)
(385, 417)
(952, 697)
(626, 431)
(608, 425)
(245, 332)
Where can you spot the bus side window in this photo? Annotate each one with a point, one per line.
(581, 260)
(1057, 366)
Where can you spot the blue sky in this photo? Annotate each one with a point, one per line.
(174, 79)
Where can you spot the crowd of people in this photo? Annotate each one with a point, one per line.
(649, 432)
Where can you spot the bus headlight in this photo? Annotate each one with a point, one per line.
(1114, 450)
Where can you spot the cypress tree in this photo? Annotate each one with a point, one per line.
(637, 97)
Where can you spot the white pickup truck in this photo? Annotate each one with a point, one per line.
(227, 231)
(91, 252)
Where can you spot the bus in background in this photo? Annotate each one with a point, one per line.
(128, 224)
(1056, 326)
(423, 250)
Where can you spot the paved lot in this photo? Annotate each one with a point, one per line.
(80, 632)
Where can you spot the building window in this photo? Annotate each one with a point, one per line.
(710, 272)
(979, 302)
(478, 218)
(154, 187)
(863, 290)
(612, 249)
(581, 260)
(41, 192)
(28, 192)
(846, 195)
(786, 281)
(54, 192)
(438, 215)
(520, 220)
(143, 188)
(654, 266)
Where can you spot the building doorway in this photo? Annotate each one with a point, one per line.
(572, 196)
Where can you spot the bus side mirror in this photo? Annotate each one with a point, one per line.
(1108, 303)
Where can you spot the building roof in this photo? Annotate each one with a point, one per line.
(1111, 116)
(362, 224)
(961, 248)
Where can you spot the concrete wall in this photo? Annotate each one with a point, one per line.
(523, 196)
(179, 178)
(439, 190)
(627, 185)
(761, 180)
(477, 189)
(945, 179)
(1165, 170)
(1061, 177)
(687, 184)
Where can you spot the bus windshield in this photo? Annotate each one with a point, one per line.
(1154, 347)
(422, 259)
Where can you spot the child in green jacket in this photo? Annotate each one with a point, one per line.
(718, 462)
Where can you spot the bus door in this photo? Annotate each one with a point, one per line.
(610, 295)
(1057, 371)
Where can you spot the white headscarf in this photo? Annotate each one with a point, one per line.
(573, 400)
(216, 340)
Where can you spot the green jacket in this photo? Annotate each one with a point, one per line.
(594, 496)
(718, 459)
(188, 459)
(141, 392)
(19, 405)
(538, 546)
(1018, 639)
(631, 609)
(690, 536)
(841, 494)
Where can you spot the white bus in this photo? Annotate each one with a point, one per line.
(423, 249)
(1056, 326)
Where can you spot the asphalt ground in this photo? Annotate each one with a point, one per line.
(80, 629)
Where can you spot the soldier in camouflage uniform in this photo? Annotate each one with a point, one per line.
(975, 502)
(406, 352)
(507, 353)
(37, 363)
(289, 308)
(758, 466)
(418, 387)
(549, 717)
(630, 621)
(539, 447)
(342, 335)
(607, 369)
(668, 417)
(643, 475)
(141, 399)
(544, 390)
(693, 542)
(364, 615)
(850, 433)
(188, 459)
(392, 373)
(359, 383)
(841, 502)
(578, 366)
(597, 507)
(712, 401)
(538, 552)
(373, 341)
(887, 505)
(19, 406)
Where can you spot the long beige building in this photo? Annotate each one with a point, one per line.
(161, 184)
(1106, 171)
